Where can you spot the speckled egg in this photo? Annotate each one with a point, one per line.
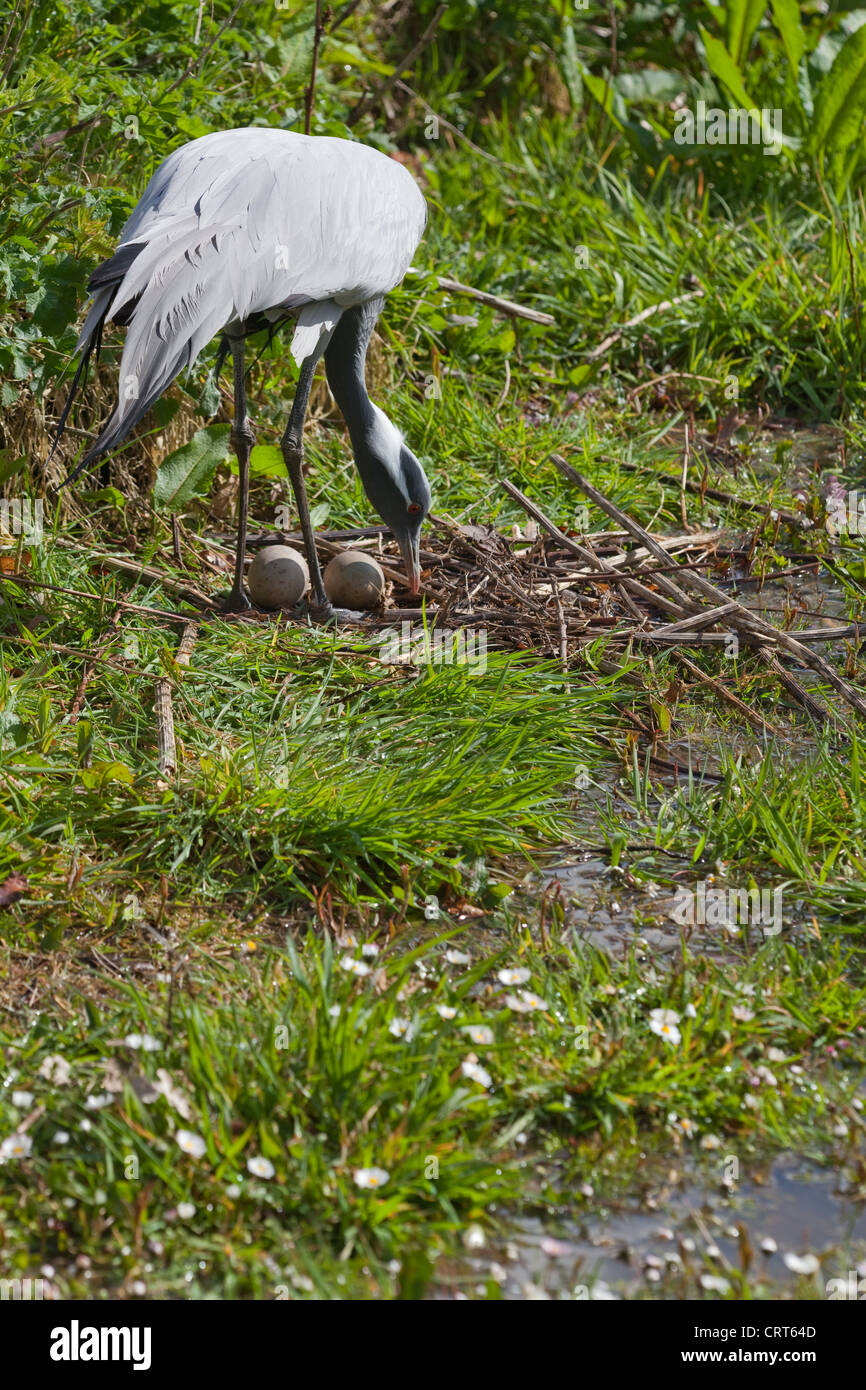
(354, 580)
(278, 577)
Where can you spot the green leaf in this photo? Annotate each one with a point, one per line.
(786, 17)
(722, 66)
(742, 18)
(188, 472)
(266, 461)
(841, 98)
(10, 465)
(100, 774)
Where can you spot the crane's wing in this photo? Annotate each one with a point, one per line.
(244, 222)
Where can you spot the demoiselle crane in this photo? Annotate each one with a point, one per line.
(235, 232)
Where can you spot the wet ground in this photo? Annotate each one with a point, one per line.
(792, 1225)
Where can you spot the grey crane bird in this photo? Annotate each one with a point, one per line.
(240, 230)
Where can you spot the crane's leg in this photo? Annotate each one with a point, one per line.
(242, 442)
(293, 453)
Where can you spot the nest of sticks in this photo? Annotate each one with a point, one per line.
(554, 594)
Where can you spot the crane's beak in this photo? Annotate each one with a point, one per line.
(409, 549)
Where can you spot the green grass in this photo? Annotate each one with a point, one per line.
(283, 1055)
(322, 792)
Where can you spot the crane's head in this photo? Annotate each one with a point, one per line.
(397, 486)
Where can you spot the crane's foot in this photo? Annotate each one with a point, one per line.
(325, 614)
(235, 603)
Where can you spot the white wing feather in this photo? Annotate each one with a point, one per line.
(256, 221)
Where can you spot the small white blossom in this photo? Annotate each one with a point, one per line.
(477, 1073)
(445, 1011)
(371, 1178)
(517, 975)
(532, 1002)
(23, 1099)
(56, 1069)
(479, 1033)
(261, 1167)
(16, 1146)
(455, 957)
(145, 1041)
(192, 1144)
(354, 967)
(663, 1022)
(715, 1283)
(801, 1264)
(186, 1210)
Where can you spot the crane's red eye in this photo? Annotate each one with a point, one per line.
(414, 508)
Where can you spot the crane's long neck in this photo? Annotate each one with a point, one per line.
(371, 431)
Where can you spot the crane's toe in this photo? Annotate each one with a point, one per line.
(235, 603)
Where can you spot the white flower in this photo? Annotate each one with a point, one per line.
(347, 940)
(517, 1006)
(742, 1014)
(400, 1028)
(531, 1001)
(16, 1146)
(477, 1073)
(62, 1136)
(768, 1245)
(56, 1069)
(445, 1011)
(479, 1033)
(186, 1210)
(371, 1178)
(775, 1054)
(688, 1127)
(261, 1167)
(97, 1101)
(663, 1022)
(764, 1074)
(474, 1237)
(711, 1141)
(690, 1011)
(518, 975)
(354, 967)
(23, 1099)
(335, 1011)
(802, 1264)
(715, 1283)
(369, 948)
(145, 1041)
(192, 1144)
(455, 957)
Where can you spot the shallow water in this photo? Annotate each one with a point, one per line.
(660, 1243)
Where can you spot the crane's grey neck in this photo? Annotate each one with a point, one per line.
(374, 439)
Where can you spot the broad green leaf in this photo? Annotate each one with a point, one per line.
(786, 17)
(840, 101)
(742, 18)
(722, 66)
(188, 472)
(10, 465)
(101, 773)
(266, 461)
